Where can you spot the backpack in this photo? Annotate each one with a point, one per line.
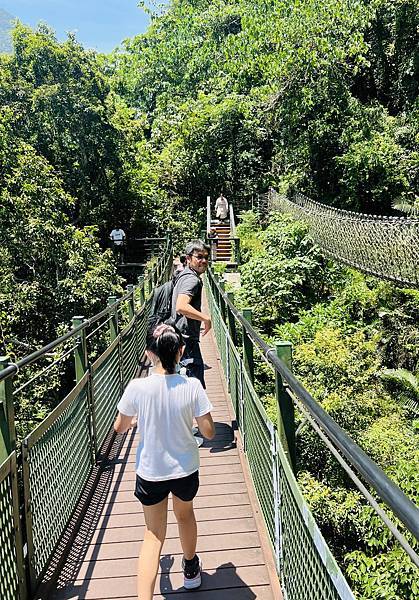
(161, 305)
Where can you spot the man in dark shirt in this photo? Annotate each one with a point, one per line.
(186, 307)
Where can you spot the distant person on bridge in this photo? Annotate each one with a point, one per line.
(186, 307)
(118, 238)
(221, 207)
(167, 455)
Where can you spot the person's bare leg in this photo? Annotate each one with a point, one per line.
(148, 562)
(185, 518)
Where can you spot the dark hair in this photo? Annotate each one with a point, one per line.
(165, 345)
(196, 246)
(182, 259)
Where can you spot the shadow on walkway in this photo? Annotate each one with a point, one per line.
(71, 552)
(223, 582)
(224, 439)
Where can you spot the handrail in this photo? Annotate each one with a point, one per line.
(388, 491)
(208, 213)
(232, 222)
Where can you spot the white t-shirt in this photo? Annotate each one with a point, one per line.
(166, 406)
(117, 236)
(221, 207)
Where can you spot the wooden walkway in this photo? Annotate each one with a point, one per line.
(232, 542)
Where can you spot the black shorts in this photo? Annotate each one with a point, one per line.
(192, 360)
(153, 492)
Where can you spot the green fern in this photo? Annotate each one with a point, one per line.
(408, 384)
(411, 210)
(405, 378)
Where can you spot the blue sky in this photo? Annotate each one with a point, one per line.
(99, 24)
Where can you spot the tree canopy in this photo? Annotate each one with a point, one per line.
(319, 96)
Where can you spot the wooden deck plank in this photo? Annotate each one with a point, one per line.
(212, 579)
(241, 557)
(214, 460)
(121, 508)
(206, 543)
(121, 534)
(261, 592)
(205, 490)
(102, 564)
(135, 519)
(222, 478)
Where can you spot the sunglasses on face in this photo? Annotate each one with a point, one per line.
(200, 256)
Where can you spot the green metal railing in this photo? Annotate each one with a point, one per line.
(305, 564)
(59, 455)
(12, 578)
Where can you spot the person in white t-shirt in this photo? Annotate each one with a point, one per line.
(221, 207)
(118, 237)
(167, 455)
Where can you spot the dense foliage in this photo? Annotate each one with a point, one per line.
(319, 95)
(315, 95)
(355, 348)
(55, 133)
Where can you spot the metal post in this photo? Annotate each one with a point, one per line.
(7, 414)
(132, 319)
(80, 352)
(216, 290)
(113, 323)
(248, 347)
(285, 405)
(223, 310)
(223, 307)
(208, 213)
(114, 332)
(231, 320)
(141, 289)
(145, 279)
(81, 364)
(131, 302)
(149, 282)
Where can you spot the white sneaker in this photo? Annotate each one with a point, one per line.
(192, 573)
(199, 440)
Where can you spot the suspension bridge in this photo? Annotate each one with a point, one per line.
(69, 524)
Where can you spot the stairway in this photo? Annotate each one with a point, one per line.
(224, 242)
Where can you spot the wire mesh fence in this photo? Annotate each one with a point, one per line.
(387, 247)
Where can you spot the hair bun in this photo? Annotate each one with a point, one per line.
(161, 329)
